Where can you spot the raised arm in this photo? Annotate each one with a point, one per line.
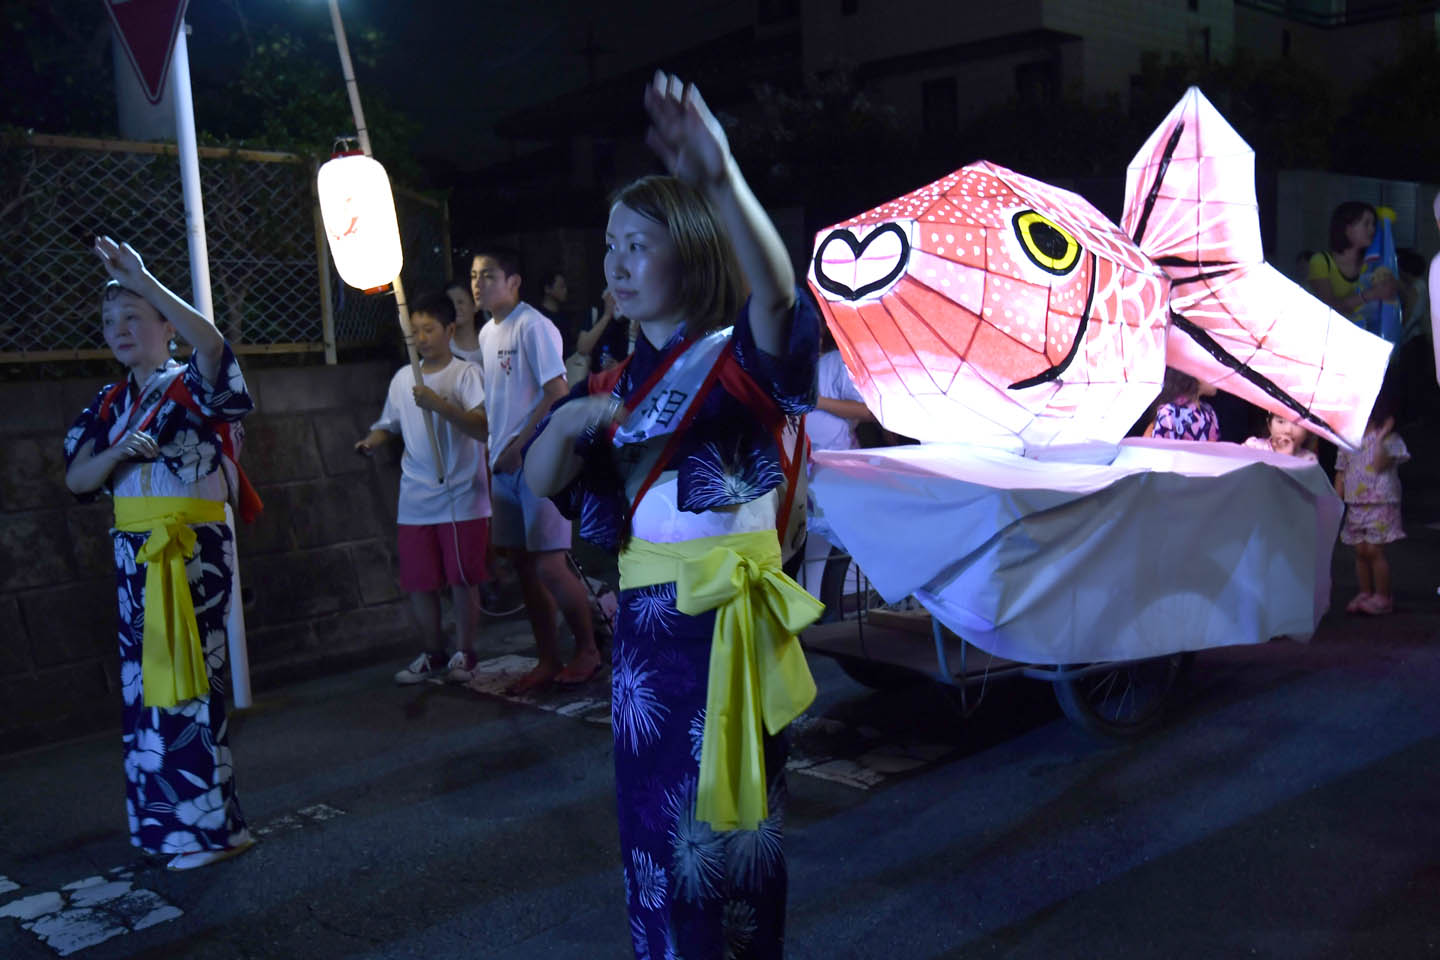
(693, 147)
(125, 267)
(586, 341)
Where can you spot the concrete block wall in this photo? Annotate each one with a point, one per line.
(318, 568)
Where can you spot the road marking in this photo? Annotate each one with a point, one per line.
(867, 760)
(315, 813)
(89, 911)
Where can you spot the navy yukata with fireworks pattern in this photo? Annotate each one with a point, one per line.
(180, 788)
(692, 892)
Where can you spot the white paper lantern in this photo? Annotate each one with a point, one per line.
(359, 214)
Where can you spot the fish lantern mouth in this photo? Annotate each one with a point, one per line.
(859, 268)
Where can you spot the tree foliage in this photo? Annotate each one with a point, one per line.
(1394, 117)
(276, 86)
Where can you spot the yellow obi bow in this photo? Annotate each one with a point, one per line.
(172, 665)
(757, 669)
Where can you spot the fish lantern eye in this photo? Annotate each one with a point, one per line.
(1047, 245)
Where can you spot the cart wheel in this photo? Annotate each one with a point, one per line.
(1125, 701)
(843, 588)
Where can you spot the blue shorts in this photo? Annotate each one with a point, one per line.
(520, 520)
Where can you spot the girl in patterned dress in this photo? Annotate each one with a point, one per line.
(1368, 482)
(677, 461)
(163, 443)
(1181, 414)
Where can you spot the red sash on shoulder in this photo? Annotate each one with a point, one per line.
(249, 503)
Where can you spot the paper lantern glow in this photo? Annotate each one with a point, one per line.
(359, 215)
(992, 308)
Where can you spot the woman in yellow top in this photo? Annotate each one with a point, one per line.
(162, 442)
(1335, 275)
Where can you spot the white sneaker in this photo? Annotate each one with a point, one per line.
(461, 668)
(422, 668)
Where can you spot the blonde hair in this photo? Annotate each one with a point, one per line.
(711, 284)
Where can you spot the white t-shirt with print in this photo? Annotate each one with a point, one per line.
(825, 430)
(518, 356)
(465, 494)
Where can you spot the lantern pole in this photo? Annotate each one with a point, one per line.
(362, 133)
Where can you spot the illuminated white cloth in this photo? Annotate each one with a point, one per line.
(1171, 546)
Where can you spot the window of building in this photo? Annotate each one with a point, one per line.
(940, 107)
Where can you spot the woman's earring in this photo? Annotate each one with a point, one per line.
(173, 345)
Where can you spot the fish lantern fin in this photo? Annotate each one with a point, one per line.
(1236, 322)
(1257, 335)
(1190, 192)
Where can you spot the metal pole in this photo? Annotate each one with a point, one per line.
(322, 269)
(200, 286)
(363, 134)
(190, 176)
(361, 131)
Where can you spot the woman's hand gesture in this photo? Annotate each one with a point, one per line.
(138, 445)
(684, 133)
(121, 262)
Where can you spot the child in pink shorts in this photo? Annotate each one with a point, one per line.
(1370, 486)
(443, 516)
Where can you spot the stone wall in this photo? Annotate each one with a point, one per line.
(317, 568)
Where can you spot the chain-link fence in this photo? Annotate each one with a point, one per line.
(266, 249)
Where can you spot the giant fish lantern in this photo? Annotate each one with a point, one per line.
(991, 308)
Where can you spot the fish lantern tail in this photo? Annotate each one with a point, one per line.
(1236, 322)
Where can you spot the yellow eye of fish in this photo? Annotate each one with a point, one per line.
(1047, 245)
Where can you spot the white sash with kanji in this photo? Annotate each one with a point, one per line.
(662, 409)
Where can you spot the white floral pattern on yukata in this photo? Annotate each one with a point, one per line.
(180, 784)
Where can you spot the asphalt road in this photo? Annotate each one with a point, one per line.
(1288, 808)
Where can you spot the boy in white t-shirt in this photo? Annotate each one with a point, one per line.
(442, 521)
(524, 375)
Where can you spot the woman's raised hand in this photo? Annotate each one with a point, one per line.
(684, 133)
(121, 262)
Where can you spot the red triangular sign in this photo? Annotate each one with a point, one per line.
(147, 31)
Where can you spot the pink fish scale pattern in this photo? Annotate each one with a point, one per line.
(974, 336)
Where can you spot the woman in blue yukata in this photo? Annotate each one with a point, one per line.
(163, 443)
(679, 460)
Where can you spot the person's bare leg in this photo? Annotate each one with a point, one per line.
(1380, 571)
(426, 607)
(466, 600)
(569, 593)
(540, 610)
(1362, 568)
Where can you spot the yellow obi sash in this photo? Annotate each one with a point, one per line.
(757, 669)
(172, 665)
